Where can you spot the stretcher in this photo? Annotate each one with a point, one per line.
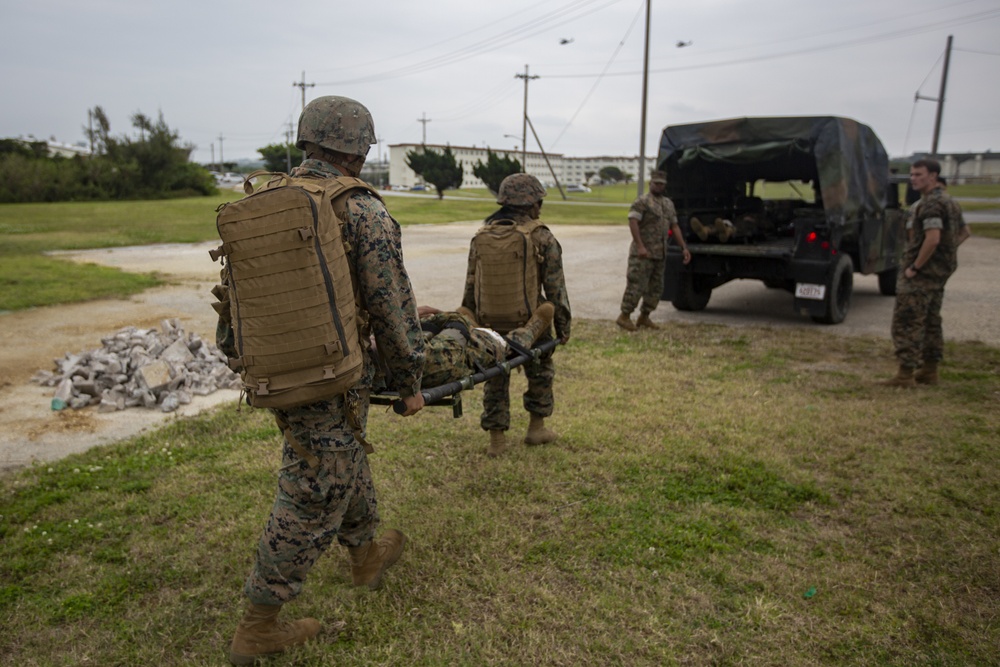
(450, 394)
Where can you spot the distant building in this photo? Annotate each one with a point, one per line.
(67, 150)
(568, 170)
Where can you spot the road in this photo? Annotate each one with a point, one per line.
(436, 255)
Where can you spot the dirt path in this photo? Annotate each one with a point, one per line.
(436, 258)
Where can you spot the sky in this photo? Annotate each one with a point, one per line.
(223, 73)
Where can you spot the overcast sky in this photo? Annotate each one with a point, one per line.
(221, 67)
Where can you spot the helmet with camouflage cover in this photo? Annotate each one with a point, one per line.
(520, 190)
(337, 124)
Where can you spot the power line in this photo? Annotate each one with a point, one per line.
(906, 32)
(505, 38)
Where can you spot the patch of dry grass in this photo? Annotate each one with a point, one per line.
(718, 496)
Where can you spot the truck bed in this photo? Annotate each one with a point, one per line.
(777, 248)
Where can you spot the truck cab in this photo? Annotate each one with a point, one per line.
(798, 203)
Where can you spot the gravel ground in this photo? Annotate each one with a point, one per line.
(436, 258)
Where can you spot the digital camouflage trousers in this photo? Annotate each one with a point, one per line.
(643, 280)
(917, 335)
(314, 505)
(538, 399)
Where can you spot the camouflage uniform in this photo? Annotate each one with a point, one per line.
(916, 320)
(644, 279)
(456, 348)
(538, 399)
(336, 499)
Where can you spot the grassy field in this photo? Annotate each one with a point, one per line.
(718, 496)
(28, 278)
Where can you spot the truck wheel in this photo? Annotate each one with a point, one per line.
(839, 285)
(691, 295)
(887, 282)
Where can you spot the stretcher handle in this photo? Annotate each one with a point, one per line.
(435, 394)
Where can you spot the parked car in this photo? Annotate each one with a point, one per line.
(841, 215)
(577, 187)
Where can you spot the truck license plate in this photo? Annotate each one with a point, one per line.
(810, 291)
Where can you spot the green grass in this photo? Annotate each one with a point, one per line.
(718, 496)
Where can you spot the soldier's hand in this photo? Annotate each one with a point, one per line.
(687, 256)
(643, 252)
(413, 404)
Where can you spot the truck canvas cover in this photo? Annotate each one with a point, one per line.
(844, 156)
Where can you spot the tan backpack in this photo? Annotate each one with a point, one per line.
(294, 315)
(507, 285)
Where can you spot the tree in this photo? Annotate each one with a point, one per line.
(612, 174)
(495, 169)
(439, 169)
(587, 175)
(276, 156)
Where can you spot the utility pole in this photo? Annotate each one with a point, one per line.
(424, 119)
(303, 85)
(222, 160)
(641, 178)
(90, 130)
(940, 107)
(524, 124)
(940, 98)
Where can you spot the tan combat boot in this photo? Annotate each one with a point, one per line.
(537, 433)
(928, 373)
(625, 322)
(537, 326)
(699, 229)
(903, 378)
(724, 229)
(644, 321)
(260, 633)
(498, 443)
(370, 561)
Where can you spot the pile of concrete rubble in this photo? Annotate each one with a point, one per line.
(141, 368)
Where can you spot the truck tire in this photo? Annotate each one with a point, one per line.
(887, 282)
(691, 295)
(839, 286)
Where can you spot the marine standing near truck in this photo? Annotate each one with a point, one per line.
(648, 220)
(929, 260)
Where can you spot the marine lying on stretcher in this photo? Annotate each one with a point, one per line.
(459, 353)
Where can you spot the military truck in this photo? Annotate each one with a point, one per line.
(799, 203)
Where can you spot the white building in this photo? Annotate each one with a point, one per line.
(568, 170)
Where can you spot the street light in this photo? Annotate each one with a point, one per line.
(512, 136)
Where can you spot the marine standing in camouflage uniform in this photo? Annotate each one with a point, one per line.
(331, 495)
(520, 198)
(928, 261)
(648, 219)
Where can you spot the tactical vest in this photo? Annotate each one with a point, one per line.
(292, 300)
(507, 283)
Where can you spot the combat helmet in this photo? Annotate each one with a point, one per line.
(337, 124)
(520, 190)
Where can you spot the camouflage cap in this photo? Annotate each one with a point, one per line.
(520, 190)
(338, 124)
(658, 176)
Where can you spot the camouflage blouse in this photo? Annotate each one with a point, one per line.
(655, 214)
(935, 210)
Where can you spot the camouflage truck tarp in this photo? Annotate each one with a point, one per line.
(844, 156)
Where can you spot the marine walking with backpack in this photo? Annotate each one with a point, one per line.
(312, 269)
(515, 264)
